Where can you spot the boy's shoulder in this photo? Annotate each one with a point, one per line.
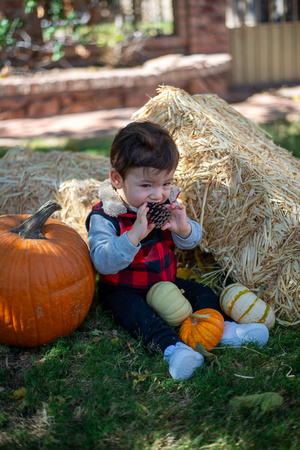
(111, 203)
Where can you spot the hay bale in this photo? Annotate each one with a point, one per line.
(76, 198)
(28, 179)
(242, 189)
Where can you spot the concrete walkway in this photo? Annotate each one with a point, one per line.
(281, 103)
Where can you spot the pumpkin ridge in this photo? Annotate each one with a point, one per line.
(36, 312)
(66, 252)
(235, 299)
(212, 327)
(5, 238)
(202, 339)
(50, 305)
(57, 323)
(169, 302)
(33, 305)
(228, 289)
(208, 337)
(15, 261)
(66, 289)
(79, 278)
(249, 309)
(11, 304)
(264, 316)
(61, 231)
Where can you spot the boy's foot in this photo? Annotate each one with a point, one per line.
(183, 360)
(237, 334)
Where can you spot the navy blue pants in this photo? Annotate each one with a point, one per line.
(129, 308)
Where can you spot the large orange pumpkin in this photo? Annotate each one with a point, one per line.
(205, 326)
(47, 280)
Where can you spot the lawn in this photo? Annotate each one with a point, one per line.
(95, 146)
(99, 389)
(284, 133)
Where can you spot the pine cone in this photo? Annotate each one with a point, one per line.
(158, 214)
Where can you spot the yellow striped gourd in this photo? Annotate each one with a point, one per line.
(243, 306)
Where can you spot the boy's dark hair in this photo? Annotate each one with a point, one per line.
(143, 144)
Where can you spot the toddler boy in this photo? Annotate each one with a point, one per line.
(131, 254)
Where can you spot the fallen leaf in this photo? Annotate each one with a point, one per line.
(267, 401)
(60, 400)
(185, 273)
(130, 348)
(18, 394)
(140, 377)
(78, 412)
(142, 407)
(95, 332)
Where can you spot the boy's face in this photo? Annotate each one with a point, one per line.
(143, 185)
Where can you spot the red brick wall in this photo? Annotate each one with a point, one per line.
(12, 8)
(62, 91)
(199, 28)
(207, 28)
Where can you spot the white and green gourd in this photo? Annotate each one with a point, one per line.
(169, 302)
(243, 306)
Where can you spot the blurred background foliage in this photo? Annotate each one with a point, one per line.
(44, 29)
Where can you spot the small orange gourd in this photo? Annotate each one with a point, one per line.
(205, 326)
(47, 280)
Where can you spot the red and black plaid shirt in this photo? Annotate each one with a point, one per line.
(154, 262)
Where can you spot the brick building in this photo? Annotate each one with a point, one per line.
(199, 27)
(195, 58)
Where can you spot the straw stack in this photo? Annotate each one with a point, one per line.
(28, 179)
(242, 189)
(76, 198)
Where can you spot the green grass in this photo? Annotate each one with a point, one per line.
(97, 388)
(95, 146)
(286, 134)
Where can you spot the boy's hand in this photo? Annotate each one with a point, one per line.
(178, 221)
(141, 228)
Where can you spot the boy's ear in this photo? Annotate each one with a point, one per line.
(115, 178)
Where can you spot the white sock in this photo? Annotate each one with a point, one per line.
(237, 334)
(183, 360)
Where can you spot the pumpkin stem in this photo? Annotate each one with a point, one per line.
(200, 316)
(31, 228)
(260, 290)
